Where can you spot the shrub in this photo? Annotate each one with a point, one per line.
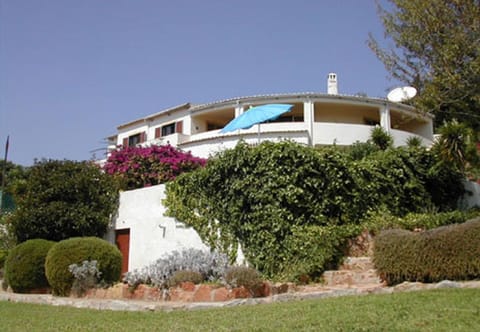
(75, 251)
(25, 265)
(257, 196)
(393, 250)
(85, 276)
(381, 138)
(210, 264)
(360, 150)
(244, 276)
(184, 276)
(138, 167)
(448, 252)
(313, 249)
(64, 199)
(380, 220)
(3, 257)
(414, 142)
(7, 238)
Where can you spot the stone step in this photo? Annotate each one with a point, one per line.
(357, 264)
(355, 271)
(351, 278)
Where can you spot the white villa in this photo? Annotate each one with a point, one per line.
(141, 230)
(315, 119)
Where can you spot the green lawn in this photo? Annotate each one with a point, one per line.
(438, 310)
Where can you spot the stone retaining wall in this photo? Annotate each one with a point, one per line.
(188, 292)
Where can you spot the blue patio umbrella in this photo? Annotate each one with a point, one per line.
(256, 115)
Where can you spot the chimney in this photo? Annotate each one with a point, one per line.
(332, 85)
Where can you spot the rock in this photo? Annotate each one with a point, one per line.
(221, 294)
(240, 293)
(447, 284)
(470, 284)
(187, 286)
(409, 286)
(203, 294)
(178, 295)
(266, 289)
(280, 288)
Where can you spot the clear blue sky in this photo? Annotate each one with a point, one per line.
(72, 70)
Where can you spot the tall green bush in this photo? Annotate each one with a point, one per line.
(64, 199)
(76, 251)
(25, 265)
(259, 196)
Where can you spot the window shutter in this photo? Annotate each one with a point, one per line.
(125, 142)
(179, 127)
(143, 137)
(158, 132)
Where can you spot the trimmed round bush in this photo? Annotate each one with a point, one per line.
(25, 265)
(75, 251)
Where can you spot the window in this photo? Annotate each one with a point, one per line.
(133, 140)
(289, 118)
(168, 129)
(371, 122)
(214, 126)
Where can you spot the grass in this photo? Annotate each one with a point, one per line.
(435, 310)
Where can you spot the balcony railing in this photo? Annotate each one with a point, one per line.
(323, 133)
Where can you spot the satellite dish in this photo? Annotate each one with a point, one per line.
(401, 94)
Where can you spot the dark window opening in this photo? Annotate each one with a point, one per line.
(213, 126)
(168, 129)
(371, 122)
(289, 118)
(134, 140)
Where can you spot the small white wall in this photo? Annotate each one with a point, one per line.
(472, 197)
(341, 134)
(152, 235)
(400, 138)
(210, 143)
(325, 133)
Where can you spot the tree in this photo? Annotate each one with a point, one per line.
(436, 48)
(64, 199)
(14, 182)
(456, 147)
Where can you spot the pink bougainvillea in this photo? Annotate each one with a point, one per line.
(138, 167)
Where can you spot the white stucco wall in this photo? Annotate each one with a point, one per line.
(472, 197)
(207, 144)
(342, 134)
(152, 235)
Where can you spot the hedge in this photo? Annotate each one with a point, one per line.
(449, 252)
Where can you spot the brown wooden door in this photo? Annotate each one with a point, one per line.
(122, 239)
